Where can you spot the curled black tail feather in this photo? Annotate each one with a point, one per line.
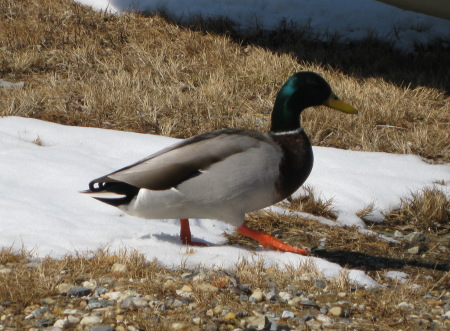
(99, 188)
(127, 191)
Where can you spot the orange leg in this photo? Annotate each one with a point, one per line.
(185, 234)
(267, 241)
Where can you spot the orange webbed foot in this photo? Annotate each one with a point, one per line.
(185, 234)
(267, 241)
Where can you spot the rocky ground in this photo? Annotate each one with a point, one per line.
(218, 301)
(109, 292)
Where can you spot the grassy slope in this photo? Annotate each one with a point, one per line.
(146, 74)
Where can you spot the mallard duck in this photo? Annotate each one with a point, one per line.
(227, 173)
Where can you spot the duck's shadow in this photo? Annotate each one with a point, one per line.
(347, 259)
(366, 262)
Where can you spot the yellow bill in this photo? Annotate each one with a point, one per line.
(334, 102)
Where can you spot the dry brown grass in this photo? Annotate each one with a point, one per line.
(147, 74)
(426, 210)
(310, 203)
(27, 285)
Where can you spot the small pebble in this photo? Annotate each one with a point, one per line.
(36, 313)
(416, 237)
(207, 288)
(188, 275)
(294, 301)
(323, 318)
(285, 295)
(243, 297)
(139, 302)
(186, 288)
(102, 328)
(90, 284)
(197, 320)
(271, 295)
(178, 326)
(44, 322)
(72, 320)
(91, 320)
(177, 303)
(106, 279)
(323, 310)
(199, 277)
(405, 305)
(271, 315)
(70, 312)
(414, 250)
(336, 311)
(59, 324)
(218, 310)
(320, 283)
(79, 291)
(63, 288)
(229, 316)
(127, 303)
(100, 290)
(118, 268)
(48, 301)
(67, 322)
(258, 322)
(314, 325)
(398, 234)
(346, 313)
(257, 296)
(308, 303)
(276, 327)
(112, 295)
(287, 314)
(93, 305)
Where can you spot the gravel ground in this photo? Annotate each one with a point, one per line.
(219, 300)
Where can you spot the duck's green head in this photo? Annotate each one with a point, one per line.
(303, 89)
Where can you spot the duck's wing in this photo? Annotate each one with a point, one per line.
(186, 159)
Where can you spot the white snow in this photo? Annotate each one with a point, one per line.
(398, 276)
(41, 207)
(355, 180)
(349, 19)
